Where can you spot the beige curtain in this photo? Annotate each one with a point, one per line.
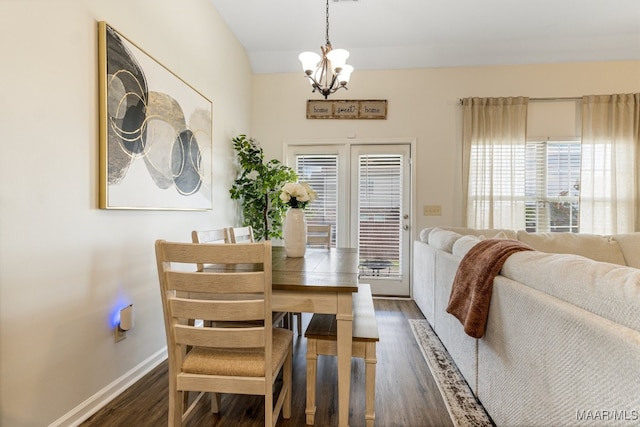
(610, 177)
(494, 139)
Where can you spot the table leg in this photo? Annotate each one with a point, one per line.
(344, 319)
(312, 372)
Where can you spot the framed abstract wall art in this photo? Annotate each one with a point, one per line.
(155, 132)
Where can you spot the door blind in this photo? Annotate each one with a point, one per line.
(380, 222)
(321, 173)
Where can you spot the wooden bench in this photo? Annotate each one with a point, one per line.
(321, 340)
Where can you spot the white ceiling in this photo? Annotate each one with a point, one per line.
(391, 34)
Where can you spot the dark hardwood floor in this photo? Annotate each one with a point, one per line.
(406, 394)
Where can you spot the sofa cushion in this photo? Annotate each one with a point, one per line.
(443, 239)
(424, 234)
(464, 244)
(608, 290)
(597, 248)
(489, 233)
(630, 246)
(502, 235)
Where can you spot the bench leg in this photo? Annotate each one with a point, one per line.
(312, 360)
(370, 383)
(215, 403)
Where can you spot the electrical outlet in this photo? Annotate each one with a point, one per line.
(120, 334)
(432, 210)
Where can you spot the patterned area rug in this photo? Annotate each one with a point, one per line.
(463, 407)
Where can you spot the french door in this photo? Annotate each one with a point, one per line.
(364, 192)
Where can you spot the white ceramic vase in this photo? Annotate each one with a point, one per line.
(295, 233)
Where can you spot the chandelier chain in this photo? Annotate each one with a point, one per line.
(327, 36)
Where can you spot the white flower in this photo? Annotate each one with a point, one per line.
(303, 196)
(285, 197)
(312, 194)
(297, 195)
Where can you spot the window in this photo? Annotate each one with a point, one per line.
(552, 186)
(497, 186)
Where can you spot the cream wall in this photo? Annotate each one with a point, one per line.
(64, 264)
(423, 103)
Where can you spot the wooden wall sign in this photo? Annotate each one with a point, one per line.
(347, 109)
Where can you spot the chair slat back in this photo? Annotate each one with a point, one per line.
(189, 253)
(236, 291)
(241, 234)
(219, 235)
(216, 283)
(222, 337)
(225, 311)
(319, 235)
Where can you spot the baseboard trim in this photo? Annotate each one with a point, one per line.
(96, 402)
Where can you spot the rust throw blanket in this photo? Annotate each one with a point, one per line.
(473, 282)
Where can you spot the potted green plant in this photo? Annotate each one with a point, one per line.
(258, 188)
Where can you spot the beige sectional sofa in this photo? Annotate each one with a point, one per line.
(562, 341)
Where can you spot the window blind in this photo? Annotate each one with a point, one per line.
(497, 185)
(552, 186)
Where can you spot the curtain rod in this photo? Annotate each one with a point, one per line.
(567, 98)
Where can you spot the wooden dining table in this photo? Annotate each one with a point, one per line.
(322, 281)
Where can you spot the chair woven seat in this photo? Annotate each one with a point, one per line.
(242, 363)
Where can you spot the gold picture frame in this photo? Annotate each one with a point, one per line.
(155, 132)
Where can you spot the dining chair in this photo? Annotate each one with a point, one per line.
(317, 235)
(243, 359)
(218, 235)
(245, 235)
(223, 235)
(241, 234)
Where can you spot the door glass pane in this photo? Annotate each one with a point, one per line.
(321, 173)
(380, 210)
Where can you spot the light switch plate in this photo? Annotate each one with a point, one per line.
(432, 210)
